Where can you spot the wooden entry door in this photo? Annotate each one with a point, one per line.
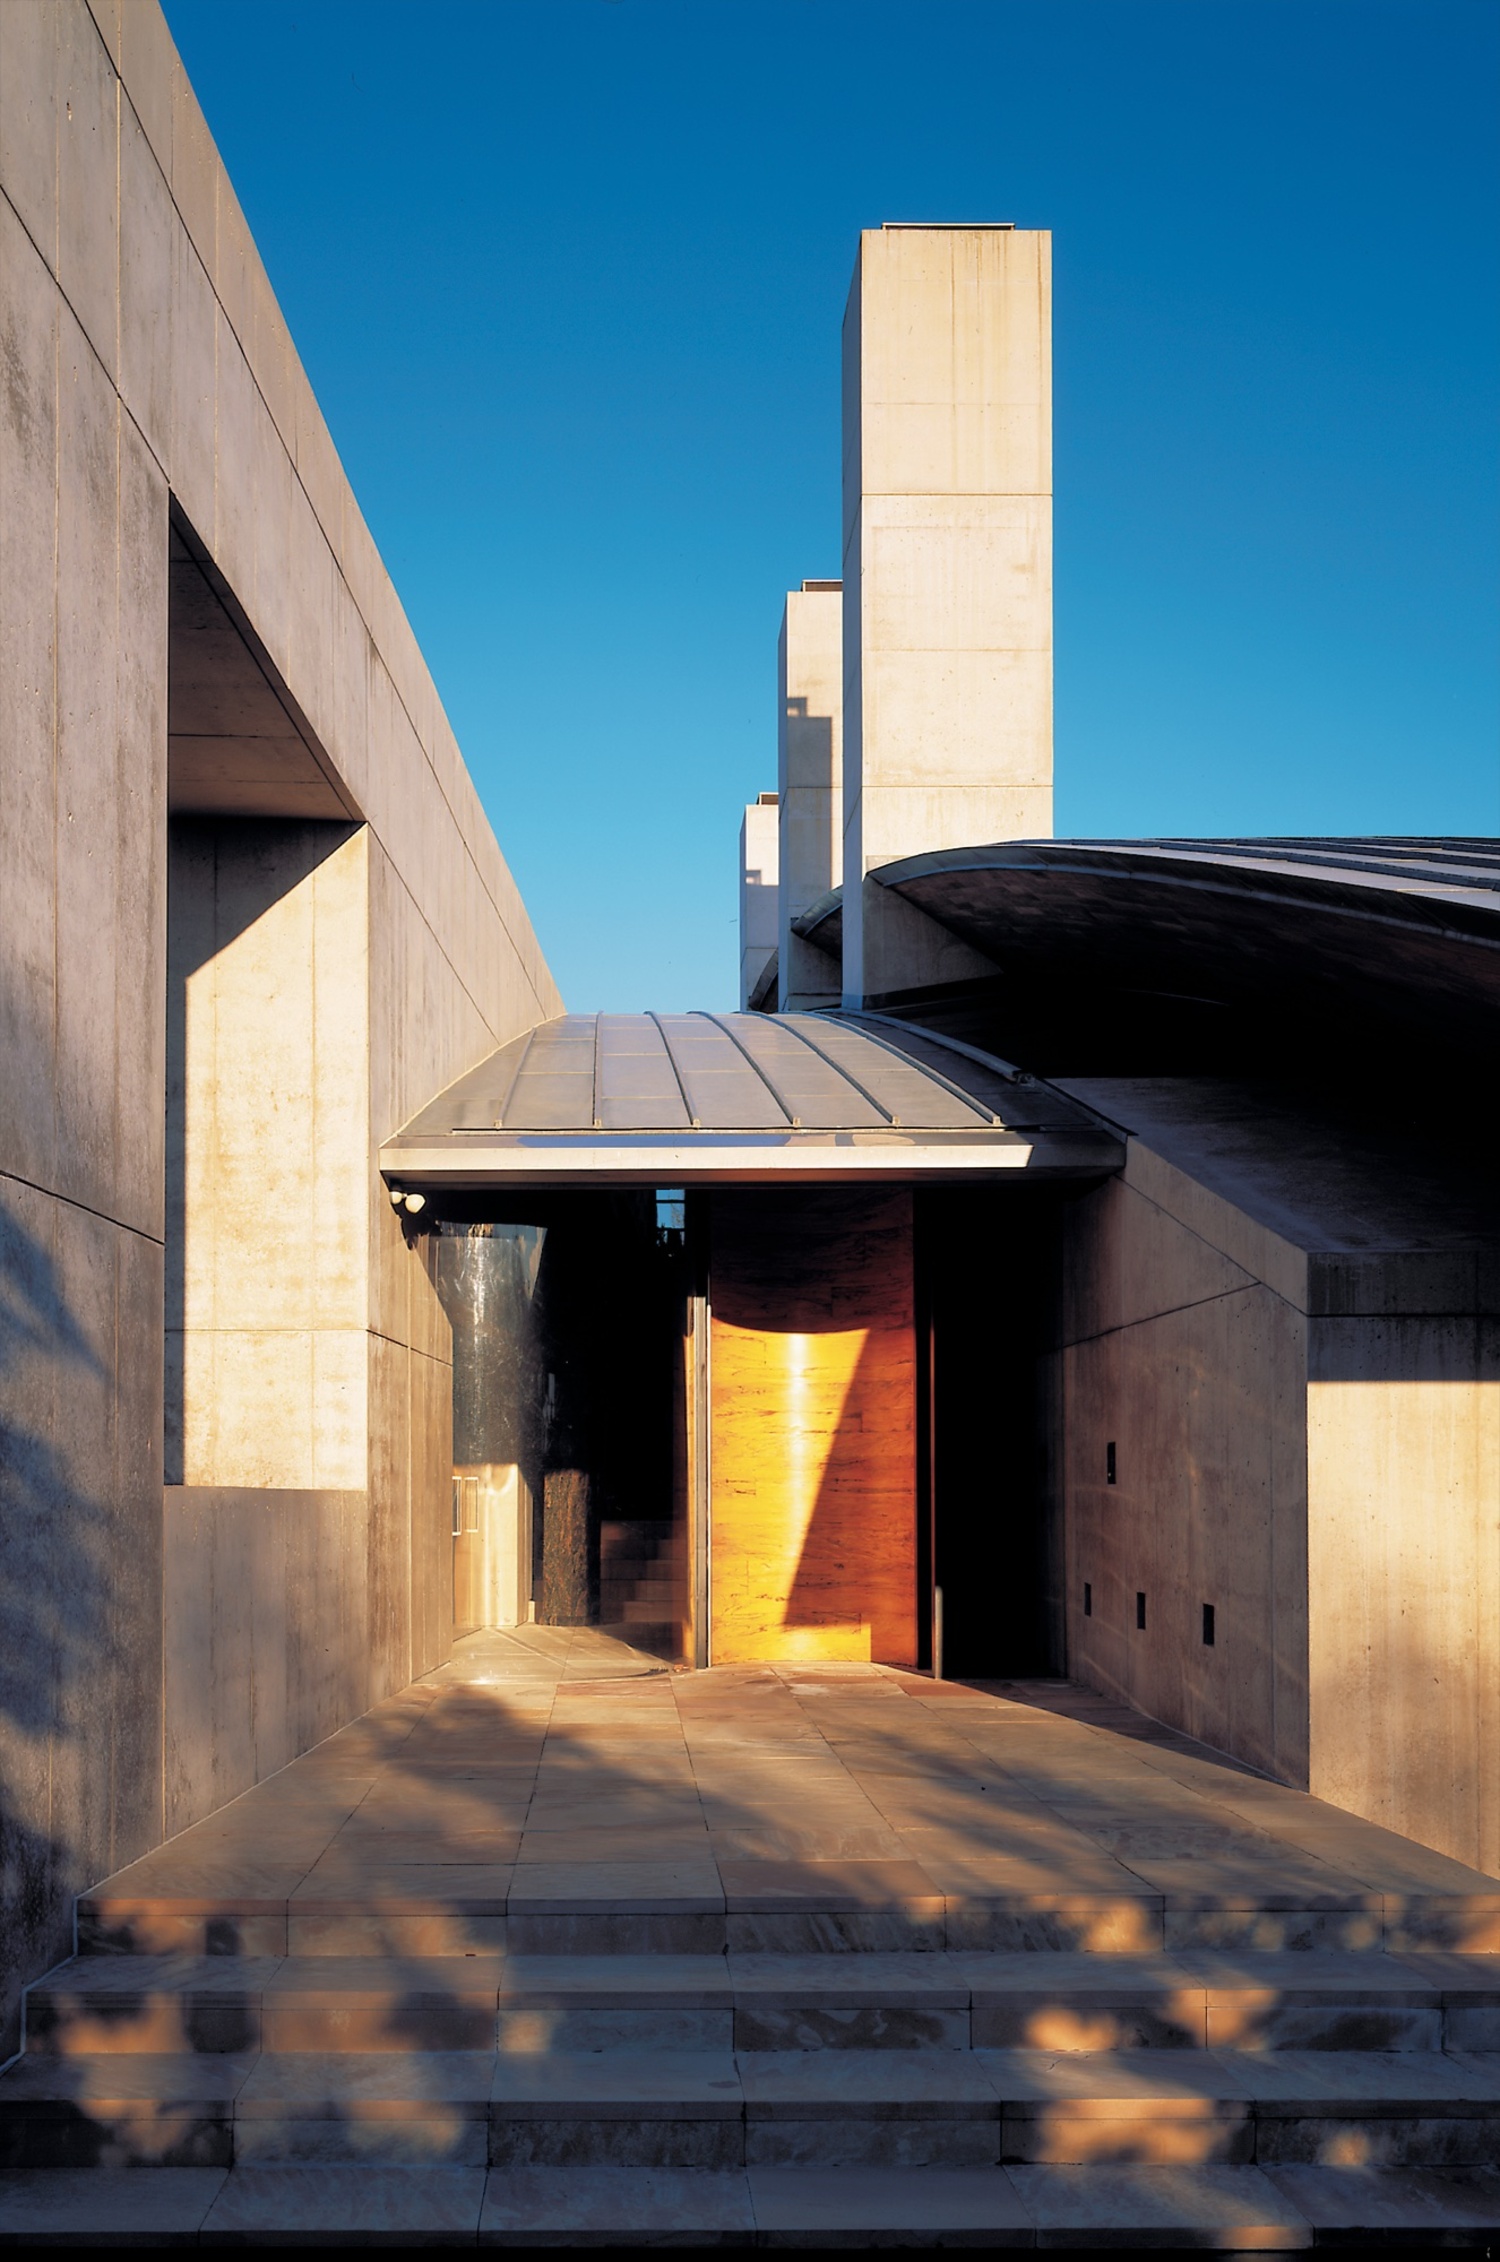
(813, 1516)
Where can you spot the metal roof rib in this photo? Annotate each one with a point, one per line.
(818, 1090)
(840, 1070)
(934, 1075)
(687, 1105)
(720, 1023)
(514, 1078)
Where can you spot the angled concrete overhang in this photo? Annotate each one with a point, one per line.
(684, 1099)
(823, 922)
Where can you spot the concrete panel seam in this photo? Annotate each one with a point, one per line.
(60, 288)
(544, 1012)
(54, 1194)
(457, 826)
(1134, 1145)
(413, 1350)
(1168, 1311)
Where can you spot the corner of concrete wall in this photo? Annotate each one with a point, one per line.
(1403, 1441)
(1192, 1367)
(1308, 1439)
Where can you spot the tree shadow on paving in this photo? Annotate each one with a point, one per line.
(75, 1580)
(419, 1810)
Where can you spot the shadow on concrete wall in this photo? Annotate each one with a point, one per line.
(56, 1620)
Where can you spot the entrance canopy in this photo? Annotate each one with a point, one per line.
(682, 1099)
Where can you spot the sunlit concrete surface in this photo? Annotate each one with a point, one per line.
(759, 898)
(810, 784)
(558, 1944)
(947, 573)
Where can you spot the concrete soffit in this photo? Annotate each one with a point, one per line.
(239, 743)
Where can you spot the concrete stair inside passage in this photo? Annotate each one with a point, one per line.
(642, 1583)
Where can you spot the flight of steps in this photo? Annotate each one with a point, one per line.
(809, 2071)
(642, 1584)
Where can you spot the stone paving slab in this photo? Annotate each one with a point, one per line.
(866, 2085)
(588, 2207)
(620, 2084)
(365, 2205)
(978, 1796)
(1412, 2207)
(1129, 2206)
(93, 2206)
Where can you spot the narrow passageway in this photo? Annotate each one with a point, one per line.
(562, 1943)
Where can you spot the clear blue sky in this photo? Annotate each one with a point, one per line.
(567, 276)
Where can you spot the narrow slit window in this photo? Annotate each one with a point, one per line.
(1109, 1462)
(1140, 1613)
(1088, 1600)
(1208, 1625)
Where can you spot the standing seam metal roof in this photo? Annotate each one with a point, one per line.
(707, 1081)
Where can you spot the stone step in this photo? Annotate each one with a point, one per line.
(1212, 2209)
(416, 1894)
(620, 1599)
(650, 1598)
(692, 2108)
(621, 1544)
(766, 2003)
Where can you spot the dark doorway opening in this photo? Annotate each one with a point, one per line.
(987, 1274)
(577, 1373)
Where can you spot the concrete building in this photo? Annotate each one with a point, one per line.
(947, 571)
(253, 916)
(1092, 1272)
(810, 782)
(759, 899)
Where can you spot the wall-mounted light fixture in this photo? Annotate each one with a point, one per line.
(409, 1207)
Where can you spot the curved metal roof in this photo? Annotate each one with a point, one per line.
(1401, 927)
(658, 1098)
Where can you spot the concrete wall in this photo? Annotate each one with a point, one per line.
(810, 783)
(1288, 1326)
(147, 369)
(1403, 1450)
(1192, 1364)
(947, 573)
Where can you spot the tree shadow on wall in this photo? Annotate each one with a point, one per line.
(58, 1638)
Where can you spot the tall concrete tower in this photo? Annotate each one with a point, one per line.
(758, 898)
(810, 779)
(947, 573)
